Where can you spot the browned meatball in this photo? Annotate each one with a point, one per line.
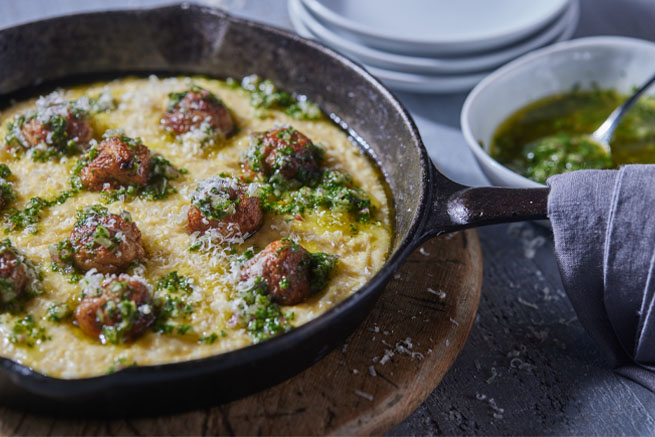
(120, 161)
(197, 108)
(7, 192)
(18, 276)
(54, 127)
(58, 131)
(99, 240)
(221, 203)
(118, 311)
(286, 268)
(13, 277)
(285, 152)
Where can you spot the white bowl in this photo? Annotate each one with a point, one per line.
(437, 27)
(560, 30)
(416, 82)
(399, 81)
(606, 61)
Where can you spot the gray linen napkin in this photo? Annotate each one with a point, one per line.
(604, 228)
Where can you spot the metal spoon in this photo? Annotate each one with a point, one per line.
(603, 134)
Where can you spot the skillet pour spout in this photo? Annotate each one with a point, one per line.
(188, 39)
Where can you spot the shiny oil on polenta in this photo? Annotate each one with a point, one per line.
(140, 104)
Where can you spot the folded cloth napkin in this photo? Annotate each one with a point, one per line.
(604, 228)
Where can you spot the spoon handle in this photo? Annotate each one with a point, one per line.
(605, 131)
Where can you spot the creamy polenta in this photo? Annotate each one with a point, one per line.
(41, 333)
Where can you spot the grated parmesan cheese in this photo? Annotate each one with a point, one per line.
(137, 106)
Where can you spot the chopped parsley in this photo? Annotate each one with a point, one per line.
(132, 143)
(309, 189)
(76, 180)
(261, 317)
(14, 135)
(161, 173)
(208, 339)
(246, 255)
(102, 102)
(63, 252)
(258, 314)
(30, 215)
(4, 171)
(172, 316)
(58, 312)
(66, 267)
(120, 364)
(102, 237)
(335, 191)
(7, 192)
(172, 302)
(175, 282)
(265, 95)
(92, 213)
(27, 332)
(217, 197)
(120, 313)
(175, 98)
(322, 266)
(560, 153)
(303, 109)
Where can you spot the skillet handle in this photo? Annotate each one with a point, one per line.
(455, 207)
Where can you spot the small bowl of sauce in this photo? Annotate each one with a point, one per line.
(532, 118)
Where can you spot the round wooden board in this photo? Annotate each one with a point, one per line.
(382, 373)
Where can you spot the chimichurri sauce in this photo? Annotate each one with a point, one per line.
(547, 136)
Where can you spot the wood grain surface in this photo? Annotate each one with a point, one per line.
(383, 372)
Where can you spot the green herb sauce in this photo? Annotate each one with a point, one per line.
(171, 301)
(27, 332)
(547, 137)
(265, 95)
(261, 317)
(120, 364)
(28, 217)
(335, 192)
(58, 312)
(322, 266)
(121, 305)
(208, 339)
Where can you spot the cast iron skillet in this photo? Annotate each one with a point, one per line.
(190, 39)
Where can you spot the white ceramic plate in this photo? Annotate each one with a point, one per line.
(398, 80)
(414, 64)
(419, 83)
(437, 27)
(607, 62)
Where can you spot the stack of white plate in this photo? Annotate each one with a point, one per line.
(436, 46)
